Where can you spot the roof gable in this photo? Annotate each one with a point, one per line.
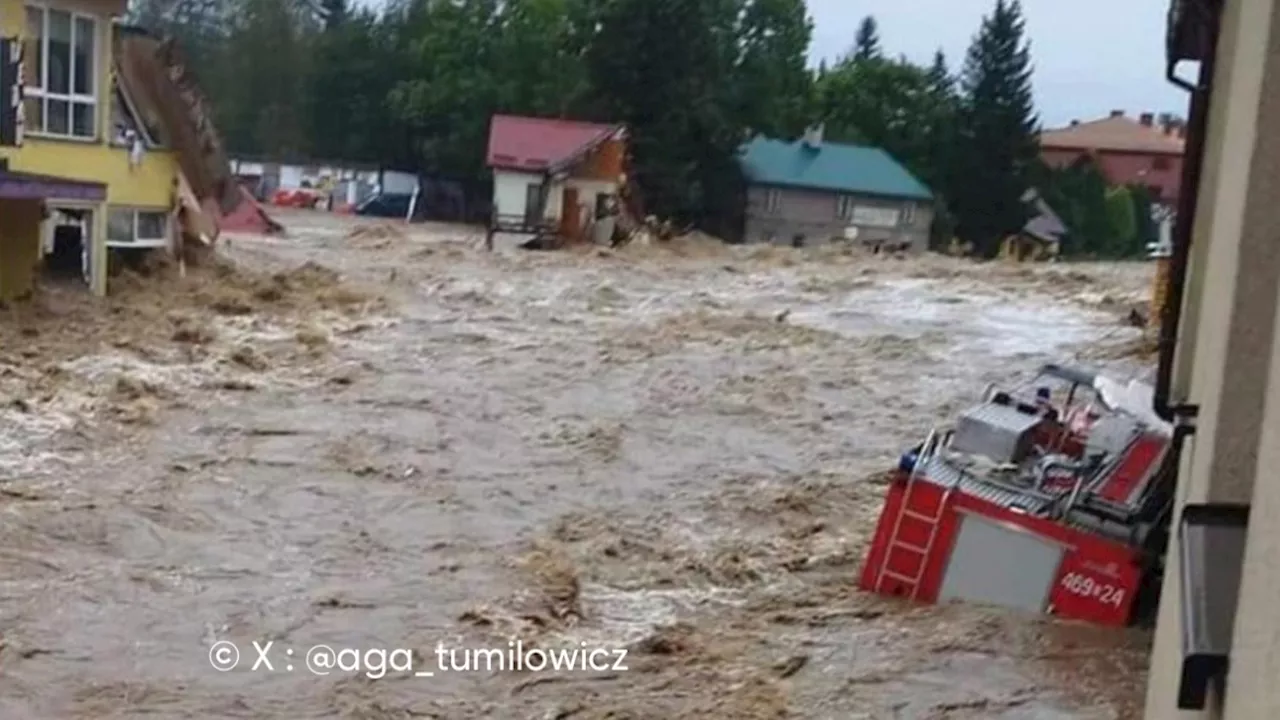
(539, 144)
(831, 167)
(1045, 224)
(1118, 134)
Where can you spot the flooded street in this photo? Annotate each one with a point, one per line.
(673, 449)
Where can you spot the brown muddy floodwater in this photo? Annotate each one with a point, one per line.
(676, 450)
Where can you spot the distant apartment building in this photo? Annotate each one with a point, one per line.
(1139, 151)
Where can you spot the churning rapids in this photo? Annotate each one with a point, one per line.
(384, 437)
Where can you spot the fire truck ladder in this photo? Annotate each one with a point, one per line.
(931, 444)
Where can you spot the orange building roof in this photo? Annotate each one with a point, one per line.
(1117, 133)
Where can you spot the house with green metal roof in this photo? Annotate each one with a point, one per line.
(811, 191)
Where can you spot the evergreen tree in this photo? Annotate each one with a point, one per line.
(939, 132)
(866, 46)
(937, 120)
(333, 13)
(940, 81)
(659, 67)
(996, 146)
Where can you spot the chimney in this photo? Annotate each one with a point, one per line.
(813, 136)
(1146, 119)
(1117, 113)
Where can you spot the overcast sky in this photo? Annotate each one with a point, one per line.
(1090, 56)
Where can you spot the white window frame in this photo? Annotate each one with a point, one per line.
(140, 242)
(863, 214)
(844, 207)
(72, 98)
(88, 237)
(772, 200)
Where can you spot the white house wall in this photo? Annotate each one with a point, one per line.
(248, 168)
(399, 183)
(587, 191)
(290, 177)
(510, 191)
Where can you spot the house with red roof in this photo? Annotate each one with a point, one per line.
(555, 178)
(1126, 150)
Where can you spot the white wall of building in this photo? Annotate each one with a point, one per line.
(510, 191)
(247, 168)
(587, 191)
(290, 176)
(399, 183)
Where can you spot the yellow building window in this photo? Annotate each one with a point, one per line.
(131, 228)
(61, 65)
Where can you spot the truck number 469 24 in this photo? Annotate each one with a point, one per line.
(1085, 586)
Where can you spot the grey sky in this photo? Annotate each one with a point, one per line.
(1090, 56)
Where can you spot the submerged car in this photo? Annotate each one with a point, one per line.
(386, 205)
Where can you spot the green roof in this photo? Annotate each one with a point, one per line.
(830, 166)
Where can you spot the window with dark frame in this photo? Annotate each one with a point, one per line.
(533, 209)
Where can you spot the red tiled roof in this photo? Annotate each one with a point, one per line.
(525, 143)
(1119, 134)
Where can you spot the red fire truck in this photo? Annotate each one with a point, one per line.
(1051, 498)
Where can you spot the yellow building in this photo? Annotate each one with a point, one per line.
(88, 172)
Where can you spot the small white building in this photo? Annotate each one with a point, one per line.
(555, 177)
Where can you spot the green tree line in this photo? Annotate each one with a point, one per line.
(412, 85)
